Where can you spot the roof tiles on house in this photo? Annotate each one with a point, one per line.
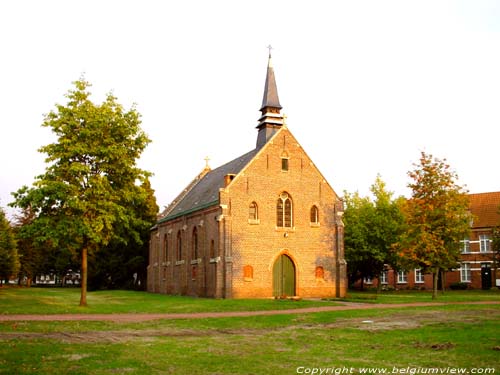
(486, 209)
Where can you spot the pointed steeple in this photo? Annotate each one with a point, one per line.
(271, 120)
(270, 98)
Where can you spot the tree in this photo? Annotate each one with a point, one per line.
(81, 201)
(116, 264)
(437, 218)
(9, 261)
(371, 228)
(31, 255)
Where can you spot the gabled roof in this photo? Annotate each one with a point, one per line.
(485, 208)
(204, 192)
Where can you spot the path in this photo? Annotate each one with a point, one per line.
(141, 317)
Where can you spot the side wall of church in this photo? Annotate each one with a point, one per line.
(256, 243)
(185, 255)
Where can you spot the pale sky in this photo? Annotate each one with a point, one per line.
(365, 85)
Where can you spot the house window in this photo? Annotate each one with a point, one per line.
(367, 280)
(465, 245)
(383, 277)
(194, 249)
(419, 276)
(314, 215)
(165, 247)
(253, 212)
(465, 273)
(284, 211)
(402, 277)
(179, 245)
(484, 243)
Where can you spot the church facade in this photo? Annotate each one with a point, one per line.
(266, 224)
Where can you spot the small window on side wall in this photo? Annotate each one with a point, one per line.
(314, 215)
(319, 273)
(248, 273)
(253, 211)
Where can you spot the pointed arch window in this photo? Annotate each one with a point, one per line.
(212, 249)
(284, 212)
(179, 245)
(314, 215)
(165, 246)
(194, 244)
(253, 213)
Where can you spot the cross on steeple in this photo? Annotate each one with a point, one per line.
(269, 47)
(207, 159)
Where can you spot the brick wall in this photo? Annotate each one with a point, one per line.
(254, 245)
(259, 244)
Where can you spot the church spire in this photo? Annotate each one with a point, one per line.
(271, 120)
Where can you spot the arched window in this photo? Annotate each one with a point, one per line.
(253, 211)
(248, 273)
(284, 211)
(314, 215)
(319, 273)
(165, 247)
(194, 244)
(212, 249)
(179, 245)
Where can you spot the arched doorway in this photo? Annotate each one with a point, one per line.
(283, 277)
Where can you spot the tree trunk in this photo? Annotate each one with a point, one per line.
(435, 277)
(443, 281)
(83, 279)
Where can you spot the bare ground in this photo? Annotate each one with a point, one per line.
(398, 320)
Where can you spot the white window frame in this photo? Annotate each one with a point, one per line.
(383, 277)
(419, 276)
(402, 277)
(367, 280)
(484, 243)
(465, 273)
(465, 245)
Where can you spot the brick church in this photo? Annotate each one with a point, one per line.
(266, 224)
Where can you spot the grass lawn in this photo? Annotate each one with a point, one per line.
(450, 336)
(65, 300)
(408, 296)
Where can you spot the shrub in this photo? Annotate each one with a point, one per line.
(458, 286)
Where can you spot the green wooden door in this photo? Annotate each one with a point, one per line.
(283, 277)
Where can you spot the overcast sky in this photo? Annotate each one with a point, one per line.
(366, 85)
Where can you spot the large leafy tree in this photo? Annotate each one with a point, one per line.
(31, 254)
(437, 218)
(123, 264)
(9, 261)
(82, 201)
(371, 229)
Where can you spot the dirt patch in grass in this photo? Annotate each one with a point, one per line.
(409, 320)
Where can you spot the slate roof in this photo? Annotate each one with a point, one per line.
(485, 207)
(204, 192)
(270, 98)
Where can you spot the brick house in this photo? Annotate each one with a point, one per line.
(478, 268)
(264, 224)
